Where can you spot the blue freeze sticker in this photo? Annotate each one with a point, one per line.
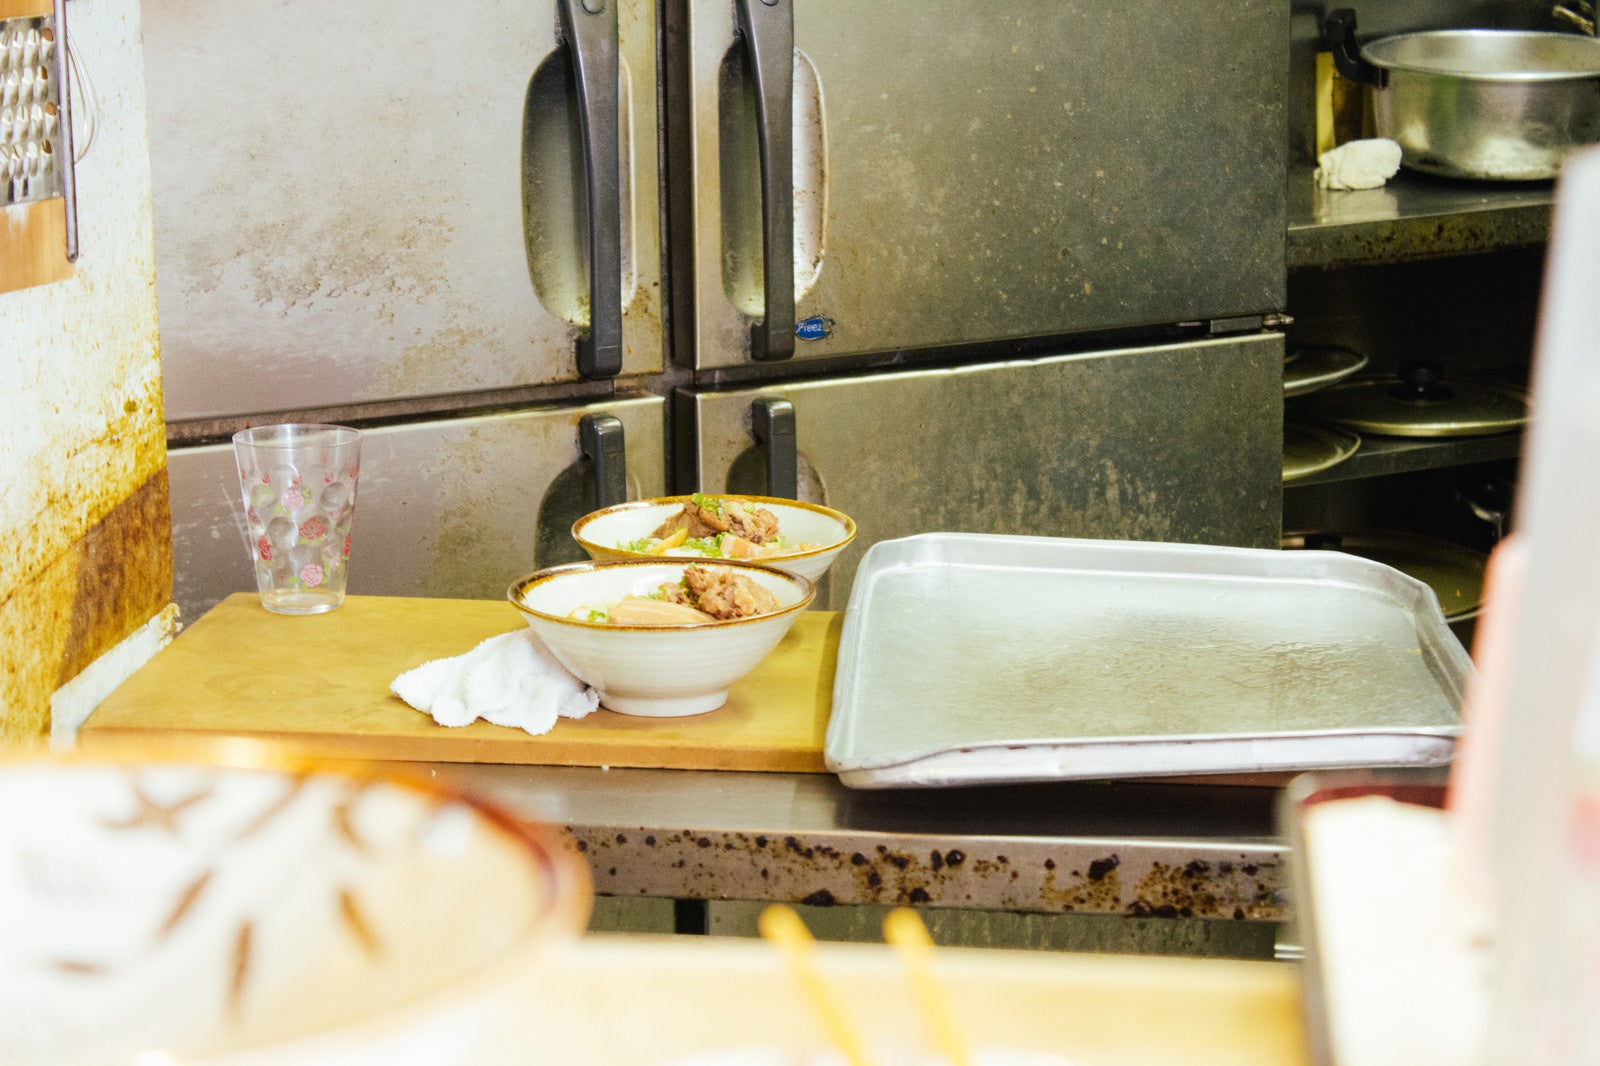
(814, 328)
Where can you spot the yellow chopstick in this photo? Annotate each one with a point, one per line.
(903, 929)
(782, 926)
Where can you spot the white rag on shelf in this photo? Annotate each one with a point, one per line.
(1359, 164)
(511, 679)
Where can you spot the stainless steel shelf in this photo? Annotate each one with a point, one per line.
(1412, 217)
(1379, 456)
(1132, 848)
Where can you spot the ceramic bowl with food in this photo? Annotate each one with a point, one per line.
(233, 908)
(651, 652)
(802, 538)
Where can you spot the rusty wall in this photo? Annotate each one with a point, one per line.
(85, 554)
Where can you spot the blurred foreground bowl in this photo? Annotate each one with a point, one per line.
(825, 532)
(654, 670)
(249, 911)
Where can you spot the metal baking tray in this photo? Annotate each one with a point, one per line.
(972, 659)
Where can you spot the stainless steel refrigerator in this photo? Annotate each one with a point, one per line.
(942, 265)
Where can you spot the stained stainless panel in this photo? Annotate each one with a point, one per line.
(970, 172)
(1137, 848)
(364, 201)
(1174, 443)
(972, 659)
(455, 508)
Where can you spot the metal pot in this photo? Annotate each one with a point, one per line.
(1498, 105)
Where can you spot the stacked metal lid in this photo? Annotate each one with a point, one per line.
(1419, 401)
(1311, 445)
(1422, 402)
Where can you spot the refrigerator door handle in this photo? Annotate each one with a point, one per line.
(768, 30)
(590, 29)
(772, 425)
(600, 437)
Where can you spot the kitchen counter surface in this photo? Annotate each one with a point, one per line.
(689, 999)
(670, 821)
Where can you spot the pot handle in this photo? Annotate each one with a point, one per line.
(1339, 34)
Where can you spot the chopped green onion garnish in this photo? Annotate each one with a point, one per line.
(707, 503)
(708, 546)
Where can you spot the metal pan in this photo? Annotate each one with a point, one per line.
(974, 659)
(1491, 105)
(1372, 907)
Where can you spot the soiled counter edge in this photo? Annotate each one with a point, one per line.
(1149, 850)
(1411, 218)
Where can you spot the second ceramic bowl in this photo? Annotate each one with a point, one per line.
(654, 670)
(814, 534)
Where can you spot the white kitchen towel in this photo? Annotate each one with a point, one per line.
(511, 679)
(1363, 164)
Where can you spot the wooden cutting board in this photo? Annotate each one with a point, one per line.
(321, 683)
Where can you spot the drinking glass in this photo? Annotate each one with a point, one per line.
(299, 486)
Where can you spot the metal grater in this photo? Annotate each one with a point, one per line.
(32, 164)
(38, 191)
